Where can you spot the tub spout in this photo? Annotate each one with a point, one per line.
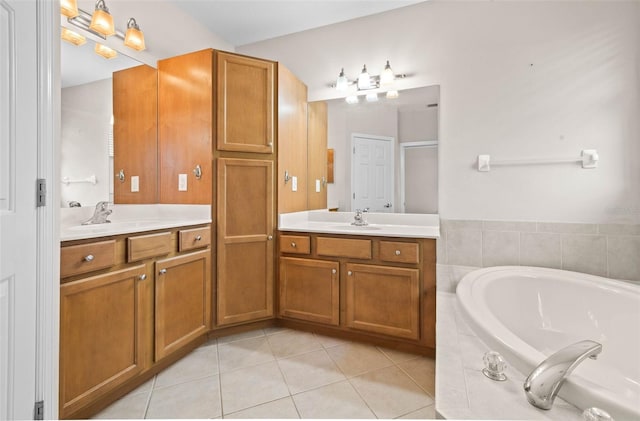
(544, 382)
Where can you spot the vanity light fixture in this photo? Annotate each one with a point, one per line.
(69, 8)
(134, 38)
(101, 20)
(72, 37)
(367, 81)
(105, 51)
(392, 94)
(371, 97)
(352, 99)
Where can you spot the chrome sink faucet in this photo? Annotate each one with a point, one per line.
(544, 382)
(358, 218)
(100, 214)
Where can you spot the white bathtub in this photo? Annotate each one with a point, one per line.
(529, 313)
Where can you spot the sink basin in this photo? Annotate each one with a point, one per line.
(354, 227)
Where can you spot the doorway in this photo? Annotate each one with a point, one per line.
(419, 177)
(372, 169)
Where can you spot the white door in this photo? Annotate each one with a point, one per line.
(419, 177)
(372, 173)
(18, 172)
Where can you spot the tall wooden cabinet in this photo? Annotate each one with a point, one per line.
(292, 142)
(135, 135)
(185, 114)
(317, 155)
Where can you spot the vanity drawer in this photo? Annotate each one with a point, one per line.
(194, 238)
(343, 247)
(145, 246)
(298, 244)
(399, 252)
(84, 258)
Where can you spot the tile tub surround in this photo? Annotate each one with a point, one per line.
(408, 225)
(608, 250)
(131, 218)
(280, 373)
(463, 392)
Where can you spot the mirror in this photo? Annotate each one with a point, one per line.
(86, 152)
(386, 152)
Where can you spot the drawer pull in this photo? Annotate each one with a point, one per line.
(88, 258)
(270, 237)
(334, 271)
(198, 238)
(163, 271)
(142, 277)
(293, 244)
(349, 273)
(397, 252)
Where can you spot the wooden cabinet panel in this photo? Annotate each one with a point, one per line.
(145, 246)
(317, 155)
(135, 134)
(182, 300)
(185, 117)
(343, 247)
(85, 258)
(292, 141)
(194, 238)
(298, 244)
(383, 299)
(399, 252)
(244, 103)
(245, 250)
(310, 290)
(101, 331)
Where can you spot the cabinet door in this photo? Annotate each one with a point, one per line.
(383, 299)
(183, 300)
(309, 290)
(245, 103)
(317, 153)
(185, 114)
(245, 215)
(135, 135)
(102, 321)
(292, 142)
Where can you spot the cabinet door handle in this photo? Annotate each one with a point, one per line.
(198, 237)
(334, 271)
(142, 277)
(293, 244)
(269, 237)
(350, 273)
(88, 258)
(397, 252)
(163, 271)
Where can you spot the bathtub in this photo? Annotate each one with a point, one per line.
(528, 313)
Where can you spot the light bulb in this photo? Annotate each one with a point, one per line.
(134, 38)
(342, 83)
(387, 76)
(371, 97)
(364, 79)
(69, 8)
(392, 94)
(101, 20)
(352, 99)
(105, 51)
(72, 37)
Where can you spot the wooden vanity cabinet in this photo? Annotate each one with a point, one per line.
(317, 155)
(135, 135)
(137, 304)
(102, 330)
(377, 288)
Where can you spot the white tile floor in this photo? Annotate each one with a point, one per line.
(282, 373)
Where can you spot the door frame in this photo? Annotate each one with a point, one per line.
(47, 229)
(403, 150)
(393, 163)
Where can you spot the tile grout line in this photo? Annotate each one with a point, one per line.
(146, 407)
(219, 379)
(416, 383)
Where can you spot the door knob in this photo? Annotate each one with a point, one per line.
(269, 237)
(388, 205)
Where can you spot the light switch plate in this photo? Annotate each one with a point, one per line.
(135, 184)
(182, 182)
(294, 183)
(317, 186)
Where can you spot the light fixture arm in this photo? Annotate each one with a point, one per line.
(131, 23)
(100, 5)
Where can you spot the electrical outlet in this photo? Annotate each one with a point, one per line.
(182, 182)
(317, 186)
(294, 183)
(135, 184)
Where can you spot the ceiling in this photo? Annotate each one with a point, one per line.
(238, 22)
(242, 22)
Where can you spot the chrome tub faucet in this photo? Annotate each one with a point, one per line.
(100, 214)
(544, 382)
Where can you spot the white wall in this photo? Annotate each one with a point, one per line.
(518, 79)
(86, 122)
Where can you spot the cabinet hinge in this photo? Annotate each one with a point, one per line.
(41, 192)
(38, 410)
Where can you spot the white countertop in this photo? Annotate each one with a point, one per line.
(126, 219)
(379, 224)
